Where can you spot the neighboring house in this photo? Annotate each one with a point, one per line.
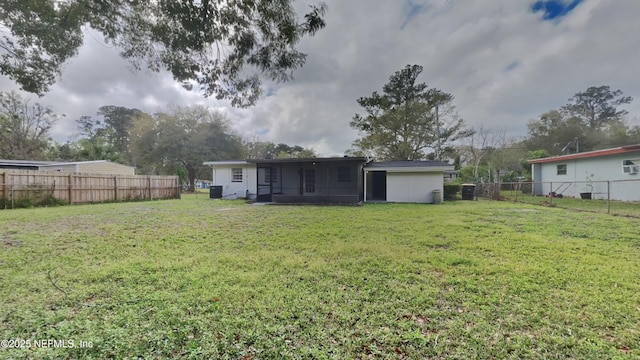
(573, 174)
(315, 180)
(404, 181)
(237, 178)
(450, 175)
(203, 184)
(88, 167)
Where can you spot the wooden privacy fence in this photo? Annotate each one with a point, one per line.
(37, 187)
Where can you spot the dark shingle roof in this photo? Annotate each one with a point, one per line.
(421, 163)
(306, 160)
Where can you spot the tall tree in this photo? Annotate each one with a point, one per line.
(107, 134)
(218, 47)
(181, 139)
(269, 150)
(555, 131)
(120, 119)
(478, 146)
(597, 106)
(403, 122)
(24, 127)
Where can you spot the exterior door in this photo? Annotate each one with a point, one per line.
(309, 181)
(379, 185)
(265, 185)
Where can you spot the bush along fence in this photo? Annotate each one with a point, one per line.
(621, 197)
(26, 188)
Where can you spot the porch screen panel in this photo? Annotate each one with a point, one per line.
(310, 180)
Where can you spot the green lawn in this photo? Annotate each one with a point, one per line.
(199, 278)
(600, 205)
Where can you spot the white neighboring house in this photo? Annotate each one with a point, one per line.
(404, 181)
(573, 174)
(237, 178)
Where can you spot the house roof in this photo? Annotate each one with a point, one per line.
(589, 154)
(226, 162)
(421, 163)
(424, 166)
(4, 162)
(306, 160)
(39, 164)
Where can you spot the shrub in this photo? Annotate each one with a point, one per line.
(451, 191)
(50, 200)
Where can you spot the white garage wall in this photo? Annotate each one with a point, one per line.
(413, 187)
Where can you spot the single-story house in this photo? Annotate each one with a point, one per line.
(573, 174)
(88, 167)
(329, 180)
(404, 181)
(238, 178)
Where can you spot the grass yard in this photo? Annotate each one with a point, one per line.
(199, 278)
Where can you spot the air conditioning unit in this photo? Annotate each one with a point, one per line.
(631, 169)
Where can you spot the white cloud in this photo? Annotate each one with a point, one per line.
(503, 63)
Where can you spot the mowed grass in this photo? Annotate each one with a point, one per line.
(199, 278)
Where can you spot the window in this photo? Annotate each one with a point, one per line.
(344, 174)
(630, 167)
(236, 175)
(562, 169)
(309, 180)
(270, 175)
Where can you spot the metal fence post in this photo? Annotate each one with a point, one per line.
(551, 192)
(608, 197)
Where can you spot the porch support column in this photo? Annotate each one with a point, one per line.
(365, 185)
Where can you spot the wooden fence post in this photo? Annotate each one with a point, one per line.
(4, 185)
(149, 185)
(70, 189)
(115, 187)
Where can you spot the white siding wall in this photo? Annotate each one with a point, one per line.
(413, 187)
(230, 189)
(603, 169)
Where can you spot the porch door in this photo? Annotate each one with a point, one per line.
(265, 185)
(379, 185)
(309, 181)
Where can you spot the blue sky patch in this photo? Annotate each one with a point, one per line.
(554, 9)
(512, 66)
(412, 10)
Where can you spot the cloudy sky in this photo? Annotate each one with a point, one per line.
(505, 61)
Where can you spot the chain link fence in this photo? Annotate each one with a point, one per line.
(620, 197)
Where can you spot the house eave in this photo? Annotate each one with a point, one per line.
(588, 154)
(414, 169)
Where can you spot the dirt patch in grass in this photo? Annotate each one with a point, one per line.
(8, 239)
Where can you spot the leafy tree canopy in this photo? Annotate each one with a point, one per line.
(269, 150)
(182, 139)
(407, 119)
(597, 106)
(218, 47)
(24, 128)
